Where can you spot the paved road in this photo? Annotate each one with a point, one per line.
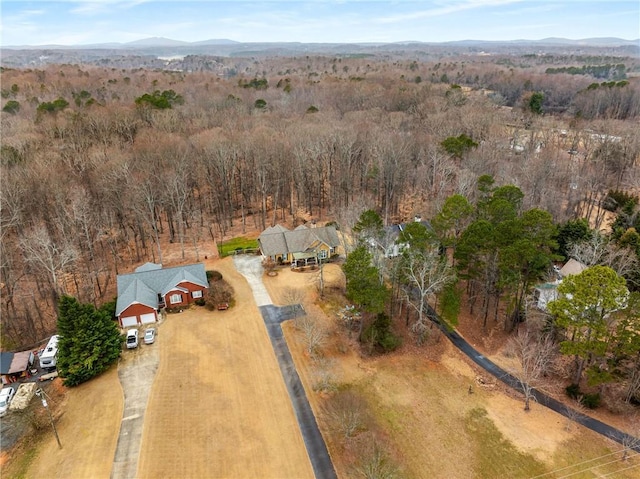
(251, 268)
(136, 372)
(540, 397)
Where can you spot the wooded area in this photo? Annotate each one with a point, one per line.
(99, 165)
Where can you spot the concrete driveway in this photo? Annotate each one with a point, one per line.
(136, 370)
(251, 268)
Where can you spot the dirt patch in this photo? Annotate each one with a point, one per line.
(219, 406)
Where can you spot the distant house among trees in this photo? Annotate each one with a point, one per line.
(299, 247)
(151, 287)
(547, 292)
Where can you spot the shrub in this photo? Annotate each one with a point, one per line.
(213, 275)
(200, 302)
(219, 292)
(380, 336)
(592, 401)
(573, 391)
(12, 107)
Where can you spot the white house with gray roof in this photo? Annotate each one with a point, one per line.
(301, 246)
(151, 287)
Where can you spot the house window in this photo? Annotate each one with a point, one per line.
(196, 294)
(175, 298)
(322, 254)
(332, 250)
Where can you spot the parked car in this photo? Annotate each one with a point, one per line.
(132, 339)
(150, 336)
(6, 395)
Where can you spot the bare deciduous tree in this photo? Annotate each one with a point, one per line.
(425, 273)
(599, 250)
(535, 354)
(314, 334)
(375, 464)
(42, 252)
(346, 413)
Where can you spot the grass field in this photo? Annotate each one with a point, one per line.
(236, 244)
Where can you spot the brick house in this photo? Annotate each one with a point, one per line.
(151, 287)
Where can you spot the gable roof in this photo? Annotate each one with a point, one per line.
(144, 286)
(572, 267)
(279, 240)
(13, 363)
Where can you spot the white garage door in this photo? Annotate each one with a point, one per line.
(129, 321)
(148, 318)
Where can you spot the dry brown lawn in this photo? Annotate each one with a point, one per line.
(432, 426)
(219, 406)
(88, 431)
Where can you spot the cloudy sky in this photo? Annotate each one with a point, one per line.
(99, 21)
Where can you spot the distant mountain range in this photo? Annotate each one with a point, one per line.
(160, 42)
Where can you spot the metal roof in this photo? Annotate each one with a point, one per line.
(143, 287)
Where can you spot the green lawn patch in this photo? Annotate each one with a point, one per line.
(237, 245)
(495, 455)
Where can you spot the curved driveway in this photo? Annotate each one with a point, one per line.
(251, 268)
(542, 398)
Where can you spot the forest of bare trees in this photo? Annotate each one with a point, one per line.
(95, 174)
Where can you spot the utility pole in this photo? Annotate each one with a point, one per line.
(42, 395)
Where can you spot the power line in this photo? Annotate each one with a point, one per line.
(620, 470)
(576, 464)
(589, 468)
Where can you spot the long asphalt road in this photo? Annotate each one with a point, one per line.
(273, 316)
(553, 404)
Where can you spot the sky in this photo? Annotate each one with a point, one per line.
(45, 22)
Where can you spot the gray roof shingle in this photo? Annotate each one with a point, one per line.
(279, 240)
(144, 286)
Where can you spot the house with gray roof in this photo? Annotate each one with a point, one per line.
(301, 246)
(151, 287)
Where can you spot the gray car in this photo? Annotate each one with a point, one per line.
(150, 336)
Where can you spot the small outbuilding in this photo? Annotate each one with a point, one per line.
(14, 366)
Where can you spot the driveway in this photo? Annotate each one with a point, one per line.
(136, 372)
(251, 268)
(542, 398)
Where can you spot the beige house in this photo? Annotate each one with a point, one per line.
(547, 292)
(300, 247)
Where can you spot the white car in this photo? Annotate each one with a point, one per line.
(132, 339)
(6, 395)
(150, 336)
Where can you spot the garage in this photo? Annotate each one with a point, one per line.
(148, 318)
(129, 321)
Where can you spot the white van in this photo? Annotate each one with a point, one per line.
(49, 356)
